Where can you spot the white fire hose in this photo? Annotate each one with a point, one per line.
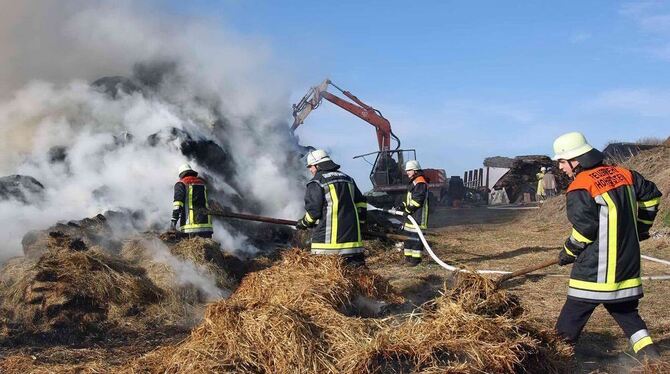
(429, 250)
(455, 269)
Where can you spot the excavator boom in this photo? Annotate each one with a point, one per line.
(387, 173)
(358, 108)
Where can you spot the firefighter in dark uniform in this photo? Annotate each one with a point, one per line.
(611, 209)
(335, 209)
(190, 199)
(416, 205)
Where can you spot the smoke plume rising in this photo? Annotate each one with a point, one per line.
(177, 90)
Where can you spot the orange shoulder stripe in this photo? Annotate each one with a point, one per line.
(602, 179)
(419, 179)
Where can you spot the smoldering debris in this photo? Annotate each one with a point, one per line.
(72, 285)
(300, 315)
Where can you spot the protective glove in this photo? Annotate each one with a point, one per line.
(644, 235)
(173, 226)
(564, 258)
(300, 225)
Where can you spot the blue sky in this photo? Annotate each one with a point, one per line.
(463, 80)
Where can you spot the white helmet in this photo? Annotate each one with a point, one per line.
(316, 157)
(570, 145)
(184, 167)
(543, 169)
(412, 165)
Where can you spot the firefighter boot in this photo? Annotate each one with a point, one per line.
(649, 353)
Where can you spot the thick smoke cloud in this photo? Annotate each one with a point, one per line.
(117, 145)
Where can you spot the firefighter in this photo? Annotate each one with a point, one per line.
(335, 209)
(611, 209)
(549, 181)
(416, 205)
(190, 198)
(539, 192)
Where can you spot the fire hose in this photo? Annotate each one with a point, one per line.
(506, 275)
(429, 250)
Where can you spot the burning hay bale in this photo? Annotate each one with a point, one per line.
(89, 232)
(72, 291)
(297, 317)
(66, 292)
(203, 256)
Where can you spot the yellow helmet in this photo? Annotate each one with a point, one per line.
(570, 145)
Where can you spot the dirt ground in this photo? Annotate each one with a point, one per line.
(501, 239)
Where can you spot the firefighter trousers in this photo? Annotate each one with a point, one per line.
(575, 314)
(413, 248)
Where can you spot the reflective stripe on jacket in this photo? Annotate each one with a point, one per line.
(606, 205)
(416, 203)
(335, 207)
(190, 198)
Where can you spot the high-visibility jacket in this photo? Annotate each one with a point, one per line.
(190, 199)
(335, 207)
(416, 203)
(608, 207)
(540, 184)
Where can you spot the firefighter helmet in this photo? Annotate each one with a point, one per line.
(184, 168)
(412, 165)
(316, 157)
(571, 145)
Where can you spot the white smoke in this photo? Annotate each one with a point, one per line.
(186, 272)
(47, 104)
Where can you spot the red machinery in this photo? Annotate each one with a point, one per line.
(387, 173)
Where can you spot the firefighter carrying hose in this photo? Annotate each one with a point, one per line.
(190, 200)
(611, 209)
(416, 205)
(335, 208)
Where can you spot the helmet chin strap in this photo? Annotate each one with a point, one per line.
(572, 168)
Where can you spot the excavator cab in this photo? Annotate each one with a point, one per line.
(388, 173)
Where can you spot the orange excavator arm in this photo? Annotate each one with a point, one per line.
(358, 108)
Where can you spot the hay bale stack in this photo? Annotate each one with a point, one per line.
(68, 292)
(654, 165)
